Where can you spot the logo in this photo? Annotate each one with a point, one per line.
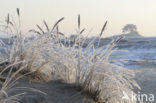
(138, 97)
(125, 96)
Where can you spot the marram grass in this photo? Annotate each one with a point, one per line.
(48, 57)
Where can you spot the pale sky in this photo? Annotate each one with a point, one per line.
(93, 14)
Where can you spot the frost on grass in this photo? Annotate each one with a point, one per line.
(9, 91)
(89, 69)
(50, 55)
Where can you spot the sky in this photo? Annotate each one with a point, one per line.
(93, 13)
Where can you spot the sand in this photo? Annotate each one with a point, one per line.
(57, 92)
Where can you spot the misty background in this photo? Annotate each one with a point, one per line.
(93, 13)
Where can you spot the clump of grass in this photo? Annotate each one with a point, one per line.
(90, 70)
(48, 57)
(18, 47)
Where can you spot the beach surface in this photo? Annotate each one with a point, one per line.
(55, 92)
